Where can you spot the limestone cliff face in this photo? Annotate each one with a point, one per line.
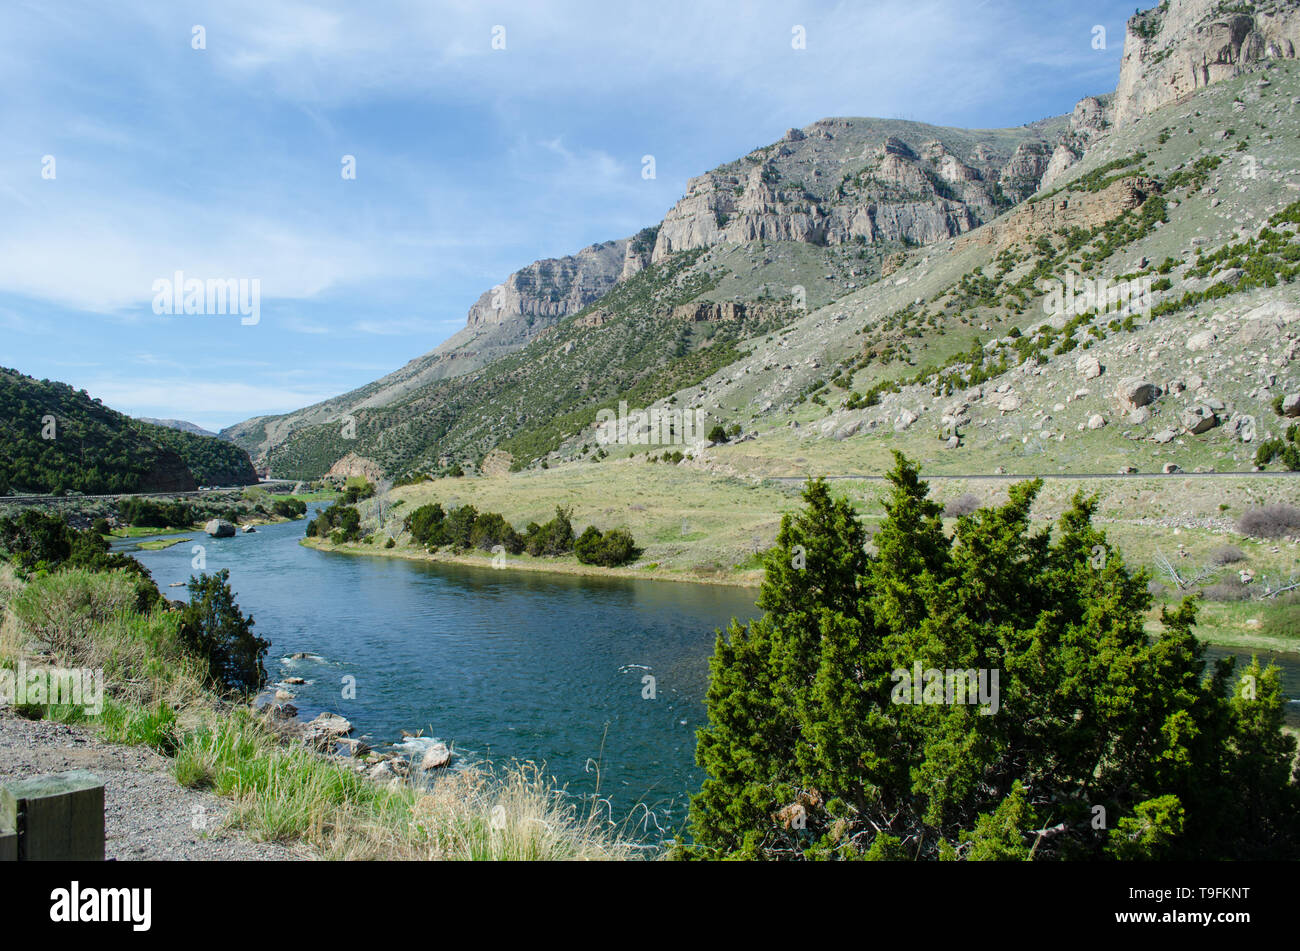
(1091, 118)
(1053, 215)
(1184, 45)
(841, 180)
(554, 287)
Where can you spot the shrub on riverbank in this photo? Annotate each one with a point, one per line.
(465, 527)
(831, 737)
(608, 549)
(339, 523)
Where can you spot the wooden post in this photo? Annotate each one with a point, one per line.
(8, 846)
(56, 818)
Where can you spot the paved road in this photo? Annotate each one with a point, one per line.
(37, 499)
(930, 477)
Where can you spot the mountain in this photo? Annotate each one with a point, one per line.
(844, 194)
(864, 285)
(60, 439)
(179, 424)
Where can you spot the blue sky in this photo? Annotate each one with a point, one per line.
(224, 162)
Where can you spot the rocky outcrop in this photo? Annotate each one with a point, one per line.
(1091, 118)
(1181, 46)
(353, 466)
(711, 311)
(1049, 216)
(1021, 176)
(555, 287)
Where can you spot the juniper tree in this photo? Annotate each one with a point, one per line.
(1105, 742)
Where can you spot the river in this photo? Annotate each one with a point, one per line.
(506, 665)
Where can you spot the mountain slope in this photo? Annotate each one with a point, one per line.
(178, 424)
(60, 439)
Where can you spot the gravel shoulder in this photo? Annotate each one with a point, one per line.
(148, 816)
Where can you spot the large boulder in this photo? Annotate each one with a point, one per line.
(325, 729)
(220, 528)
(1199, 418)
(1291, 404)
(435, 757)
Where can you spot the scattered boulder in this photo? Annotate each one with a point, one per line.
(1009, 403)
(905, 419)
(1201, 341)
(1199, 418)
(325, 729)
(1242, 427)
(1170, 468)
(1291, 404)
(435, 757)
(1096, 421)
(1134, 392)
(249, 530)
(1089, 367)
(1164, 436)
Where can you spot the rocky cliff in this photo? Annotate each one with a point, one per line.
(554, 287)
(1184, 45)
(867, 180)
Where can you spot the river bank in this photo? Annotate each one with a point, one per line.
(191, 773)
(707, 527)
(563, 565)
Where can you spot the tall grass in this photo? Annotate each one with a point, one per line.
(290, 793)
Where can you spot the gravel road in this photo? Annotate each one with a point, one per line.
(147, 814)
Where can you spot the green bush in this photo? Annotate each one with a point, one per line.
(340, 523)
(815, 748)
(213, 629)
(608, 549)
(553, 538)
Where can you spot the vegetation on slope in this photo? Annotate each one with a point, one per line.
(58, 440)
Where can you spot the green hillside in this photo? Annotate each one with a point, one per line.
(57, 439)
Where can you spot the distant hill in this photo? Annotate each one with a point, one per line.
(179, 424)
(59, 439)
